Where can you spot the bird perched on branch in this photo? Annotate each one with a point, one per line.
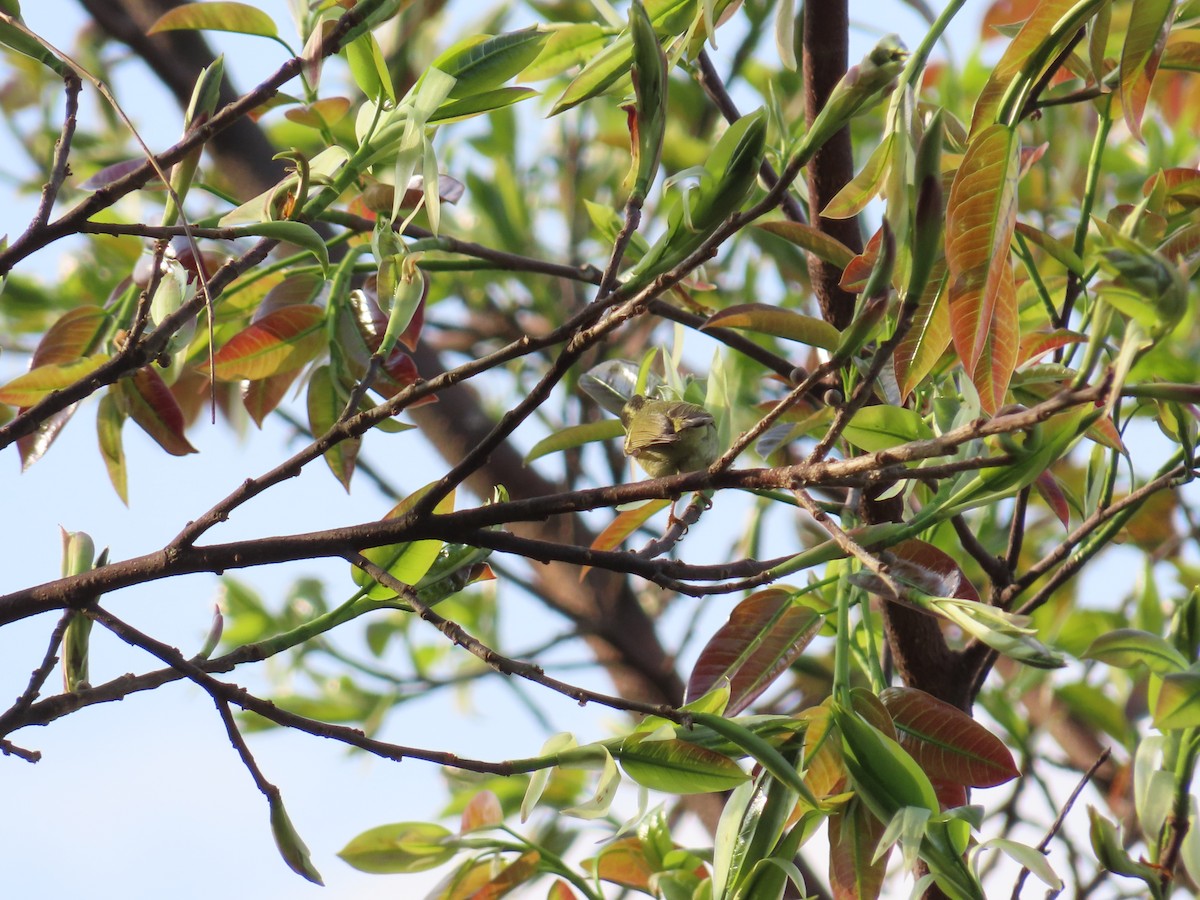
(668, 437)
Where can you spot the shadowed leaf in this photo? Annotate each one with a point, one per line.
(283, 341)
(154, 408)
(783, 323)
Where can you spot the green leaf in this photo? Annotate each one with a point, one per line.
(240, 18)
(369, 68)
(484, 62)
(408, 562)
(566, 46)
(326, 401)
(293, 233)
(109, 420)
(782, 323)
(879, 427)
(864, 187)
(765, 633)
(400, 848)
(885, 777)
(477, 104)
(819, 243)
(575, 436)
(287, 839)
(282, 341)
(28, 389)
(1178, 703)
(677, 767)
(1127, 648)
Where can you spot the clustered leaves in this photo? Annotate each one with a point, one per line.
(921, 486)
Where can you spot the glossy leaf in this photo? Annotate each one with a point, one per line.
(369, 69)
(153, 407)
(980, 218)
(401, 848)
(783, 323)
(817, 242)
(477, 104)
(922, 565)
(946, 742)
(876, 428)
(575, 436)
(283, 341)
(1127, 648)
(240, 18)
(566, 46)
(1145, 40)
(484, 62)
(678, 767)
(28, 389)
(765, 633)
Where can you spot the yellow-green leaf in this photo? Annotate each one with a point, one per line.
(240, 18)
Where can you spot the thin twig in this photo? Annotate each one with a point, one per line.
(39, 676)
(62, 151)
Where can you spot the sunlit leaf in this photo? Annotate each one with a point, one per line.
(807, 237)
(626, 523)
(1178, 703)
(783, 323)
(482, 811)
(28, 389)
(240, 18)
(484, 62)
(623, 862)
(921, 565)
(401, 848)
(678, 767)
(283, 341)
(407, 562)
(1127, 648)
(326, 402)
(1145, 39)
(477, 104)
(864, 187)
(879, 427)
(74, 335)
(928, 336)
(980, 218)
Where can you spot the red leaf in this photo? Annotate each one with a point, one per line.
(261, 397)
(1037, 343)
(764, 634)
(1047, 486)
(928, 337)
(854, 833)
(1145, 40)
(71, 337)
(153, 407)
(925, 567)
(946, 742)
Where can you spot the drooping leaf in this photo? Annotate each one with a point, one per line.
(109, 420)
(287, 839)
(678, 767)
(864, 187)
(980, 218)
(946, 742)
(240, 18)
(854, 871)
(928, 336)
(260, 398)
(1145, 40)
(511, 877)
(921, 565)
(783, 323)
(153, 407)
(326, 402)
(283, 341)
(765, 633)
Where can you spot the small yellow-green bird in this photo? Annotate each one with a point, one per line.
(668, 437)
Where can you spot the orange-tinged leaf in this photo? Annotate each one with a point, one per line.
(626, 523)
(1040, 18)
(1038, 343)
(482, 811)
(28, 389)
(154, 408)
(322, 114)
(824, 773)
(240, 18)
(71, 337)
(783, 323)
(946, 742)
(980, 219)
(1182, 187)
(998, 355)
(560, 890)
(815, 241)
(764, 634)
(1145, 40)
(623, 862)
(855, 275)
(283, 341)
(928, 336)
(854, 833)
(511, 877)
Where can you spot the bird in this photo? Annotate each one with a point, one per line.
(668, 437)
